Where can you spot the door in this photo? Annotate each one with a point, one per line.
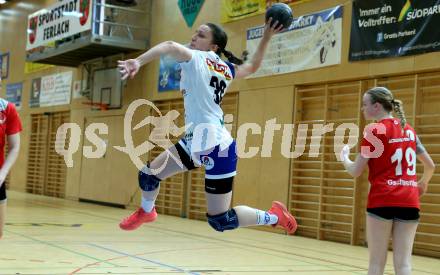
(107, 179)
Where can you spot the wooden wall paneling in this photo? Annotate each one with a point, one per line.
(46, 173)
(427, 126)
(196, 195)
(337, 203)
(37, 158)
(306, 176)
(323, 225)
(55, 184)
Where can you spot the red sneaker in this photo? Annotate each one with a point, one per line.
(137, 218)
(285, 219)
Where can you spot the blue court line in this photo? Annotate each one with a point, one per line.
(161, 229)
(59, 247)
(143, 259)
(216, 239)
(193, 236)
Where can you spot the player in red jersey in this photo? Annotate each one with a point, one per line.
(390, 147)
(10, 128)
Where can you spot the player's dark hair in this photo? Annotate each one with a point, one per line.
(220, 38)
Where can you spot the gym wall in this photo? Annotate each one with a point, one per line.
(34, 170)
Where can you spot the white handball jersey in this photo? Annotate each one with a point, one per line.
(204, 80)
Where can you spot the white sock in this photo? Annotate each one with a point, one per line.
(264, 217)
(147, 205)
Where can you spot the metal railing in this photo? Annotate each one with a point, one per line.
(121, 21)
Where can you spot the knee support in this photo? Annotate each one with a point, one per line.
(147, 181)
(224, 221)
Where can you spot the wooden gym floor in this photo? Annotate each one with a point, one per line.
(53, 236)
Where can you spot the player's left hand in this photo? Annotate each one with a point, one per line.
(270, 31)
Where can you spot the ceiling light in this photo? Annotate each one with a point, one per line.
(10, 12)
(73, 14)
(25, 6)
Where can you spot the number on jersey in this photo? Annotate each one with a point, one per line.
(219, 89)
(410, 158)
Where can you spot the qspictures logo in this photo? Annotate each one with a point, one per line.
(202, 138)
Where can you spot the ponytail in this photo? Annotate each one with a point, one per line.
(398, 109)
(231, 57)
(220, 38)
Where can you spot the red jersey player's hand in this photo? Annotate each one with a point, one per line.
(344, 153)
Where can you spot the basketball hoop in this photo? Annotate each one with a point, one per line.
(98, 105)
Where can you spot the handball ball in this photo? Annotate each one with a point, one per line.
(280, 12)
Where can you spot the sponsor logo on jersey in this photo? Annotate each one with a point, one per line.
(207, 162)
(401, 182)
(395, 140)
(188, 136)
(219, 68)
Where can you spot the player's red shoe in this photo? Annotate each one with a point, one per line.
(285, 219)
(137, 218)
